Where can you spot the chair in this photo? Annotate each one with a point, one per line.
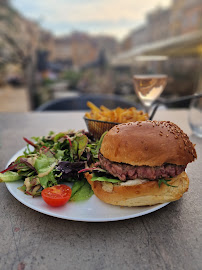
(79, 103)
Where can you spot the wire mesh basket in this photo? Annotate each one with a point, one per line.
(98, 127)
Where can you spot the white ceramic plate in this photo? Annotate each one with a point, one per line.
(92, 210)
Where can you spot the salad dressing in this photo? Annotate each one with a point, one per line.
(42, 174)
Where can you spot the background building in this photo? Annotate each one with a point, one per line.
(184, 16)
(82, 49)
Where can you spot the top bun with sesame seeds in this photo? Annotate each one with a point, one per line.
(149, 143)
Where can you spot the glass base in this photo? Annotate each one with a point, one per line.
(197, 130)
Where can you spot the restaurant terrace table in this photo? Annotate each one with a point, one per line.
(170, 238)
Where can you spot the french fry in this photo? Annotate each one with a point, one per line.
(103, 108)
(92, 106)
(117, 115)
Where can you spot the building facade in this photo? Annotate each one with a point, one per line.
(183, 16)
(83, 49)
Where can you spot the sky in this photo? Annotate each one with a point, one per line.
(109, 17)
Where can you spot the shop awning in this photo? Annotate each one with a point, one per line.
(179, 46)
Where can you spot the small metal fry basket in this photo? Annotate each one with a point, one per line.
(98, 127)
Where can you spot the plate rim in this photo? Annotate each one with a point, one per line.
(8, 185)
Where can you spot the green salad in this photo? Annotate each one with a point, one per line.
(55, 159)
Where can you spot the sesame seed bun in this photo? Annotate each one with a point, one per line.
(148, 193)
(150, 143)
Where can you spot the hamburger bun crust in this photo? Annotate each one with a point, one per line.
(150, 143)
(148, 193)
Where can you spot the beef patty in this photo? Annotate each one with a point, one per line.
(125, 171)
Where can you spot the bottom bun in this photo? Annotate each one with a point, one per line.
(148, 193)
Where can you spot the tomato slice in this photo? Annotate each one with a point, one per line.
(57, 195)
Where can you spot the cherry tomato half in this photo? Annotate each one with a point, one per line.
(57, 195)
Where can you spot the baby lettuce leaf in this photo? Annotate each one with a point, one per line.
(73, 150)
(48, 180)
(100, 141)
(45, 166)
(82, 142)
(9, 176)
(58, 136)
(77, 185)
(69, 170)
(42, 163)
(104, 179)
(60, 154)
(81, 191)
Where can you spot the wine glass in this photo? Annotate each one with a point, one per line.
(149, 87)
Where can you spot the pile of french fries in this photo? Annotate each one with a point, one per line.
(117, 115)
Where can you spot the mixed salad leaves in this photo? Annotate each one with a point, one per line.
(54, 159)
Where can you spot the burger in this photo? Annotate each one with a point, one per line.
(142, 163)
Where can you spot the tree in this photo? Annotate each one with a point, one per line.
(19, 40)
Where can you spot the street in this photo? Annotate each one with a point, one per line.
(13, 99)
